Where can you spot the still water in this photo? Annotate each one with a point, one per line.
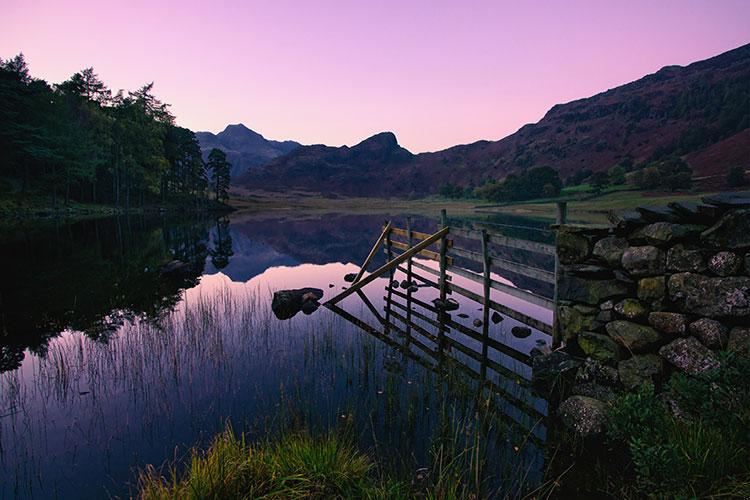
(125, 341)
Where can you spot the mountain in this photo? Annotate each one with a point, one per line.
(245, 148)
(700, 112)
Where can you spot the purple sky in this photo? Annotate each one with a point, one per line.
(435, 73)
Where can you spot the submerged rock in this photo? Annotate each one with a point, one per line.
(478, 322)
(584, 415)
(350, 277)
(496, 318)
(446, 305)
(287, 303)
(520, 332)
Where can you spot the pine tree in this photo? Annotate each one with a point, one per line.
(219, 167)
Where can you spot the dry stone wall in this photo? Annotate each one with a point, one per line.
(663, 289)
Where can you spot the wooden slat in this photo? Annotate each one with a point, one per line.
(390, 265)
(427, 269)
(523, 269)
(428, 254)
(418, 277)
(519, 293)
(375, 247)
(511, 313)
(467, 254)
(420, 303)
(530, 246)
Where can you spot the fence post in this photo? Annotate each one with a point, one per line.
(408, 278)
(389, 256)
(562, 216)
(442, 281)
(487, 265)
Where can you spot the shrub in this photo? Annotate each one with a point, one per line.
(736, 177)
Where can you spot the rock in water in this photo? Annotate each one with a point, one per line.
(584, 415)
(447, 305)
(520, 332)
(496, 318)
(287, 303)
(350, 277)
(477, 322)
(310, 306)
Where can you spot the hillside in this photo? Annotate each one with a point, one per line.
(700, 112)
(245, 148)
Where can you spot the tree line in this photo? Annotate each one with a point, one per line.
(77, 140)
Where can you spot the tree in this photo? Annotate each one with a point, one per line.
(599, 181)
(736, 177)
(616, 175)
(219, 167)
(675, 174)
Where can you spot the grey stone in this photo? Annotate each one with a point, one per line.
(643, 261)
(652, 290)
(657, 214)
(712, 297)
(596, 391)
(610, 250)
(572, 321)
(584, 415)
(607, 305)
(590, 291)
(747, 263)
(588, 270)
(632, 336)
(669, 322)
(732, 231)
(593, 371)
(659, 233)
(684, 258)
(725, 263)
(623, 277)
(689, 355)
(739, 340)
(729, 200)
(548, 370)
(605, 316)
(572, 247)
(709, 331)
(600, 347)
(632, 310)
(640, 369)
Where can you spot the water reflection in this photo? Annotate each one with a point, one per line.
(126, 341)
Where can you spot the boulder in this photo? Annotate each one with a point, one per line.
(643, 261)
(610, 250)
(445, 305)
(632, 336)
(607, 305)
(725, 264)
(584, 415)
(732, 231)
(652, 290)
(592, 371)
(572, 321)
(739, 340)
(632, 309)
(349, 277)
(659, 233)
(689, 355)
(669, 322)
(596, 391)
(712, 297)
(572, 247)
(588, 270)
(685, 258)
(590, 291)
(310, 306)
(640, 369)
(287, 303)
(712, 333)
(600, 347)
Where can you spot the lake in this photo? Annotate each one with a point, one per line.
(126, 341)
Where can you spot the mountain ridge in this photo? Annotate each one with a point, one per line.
(684, 110)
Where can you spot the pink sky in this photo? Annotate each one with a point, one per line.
(435, 73)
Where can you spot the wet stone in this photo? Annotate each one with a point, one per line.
(689, 355)
(725, 264)
(640, 369)
(643, 261)
(685, 258)
(520, 332)
(669, 322)
(350, 277)
(496, 318)
(463, 315)
(477, 322)
(632, 309)
(610, 250)
(584, 415)
(287, 303)
(712, 333)
(632, 336)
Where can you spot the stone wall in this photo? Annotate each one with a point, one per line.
(662, 289)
